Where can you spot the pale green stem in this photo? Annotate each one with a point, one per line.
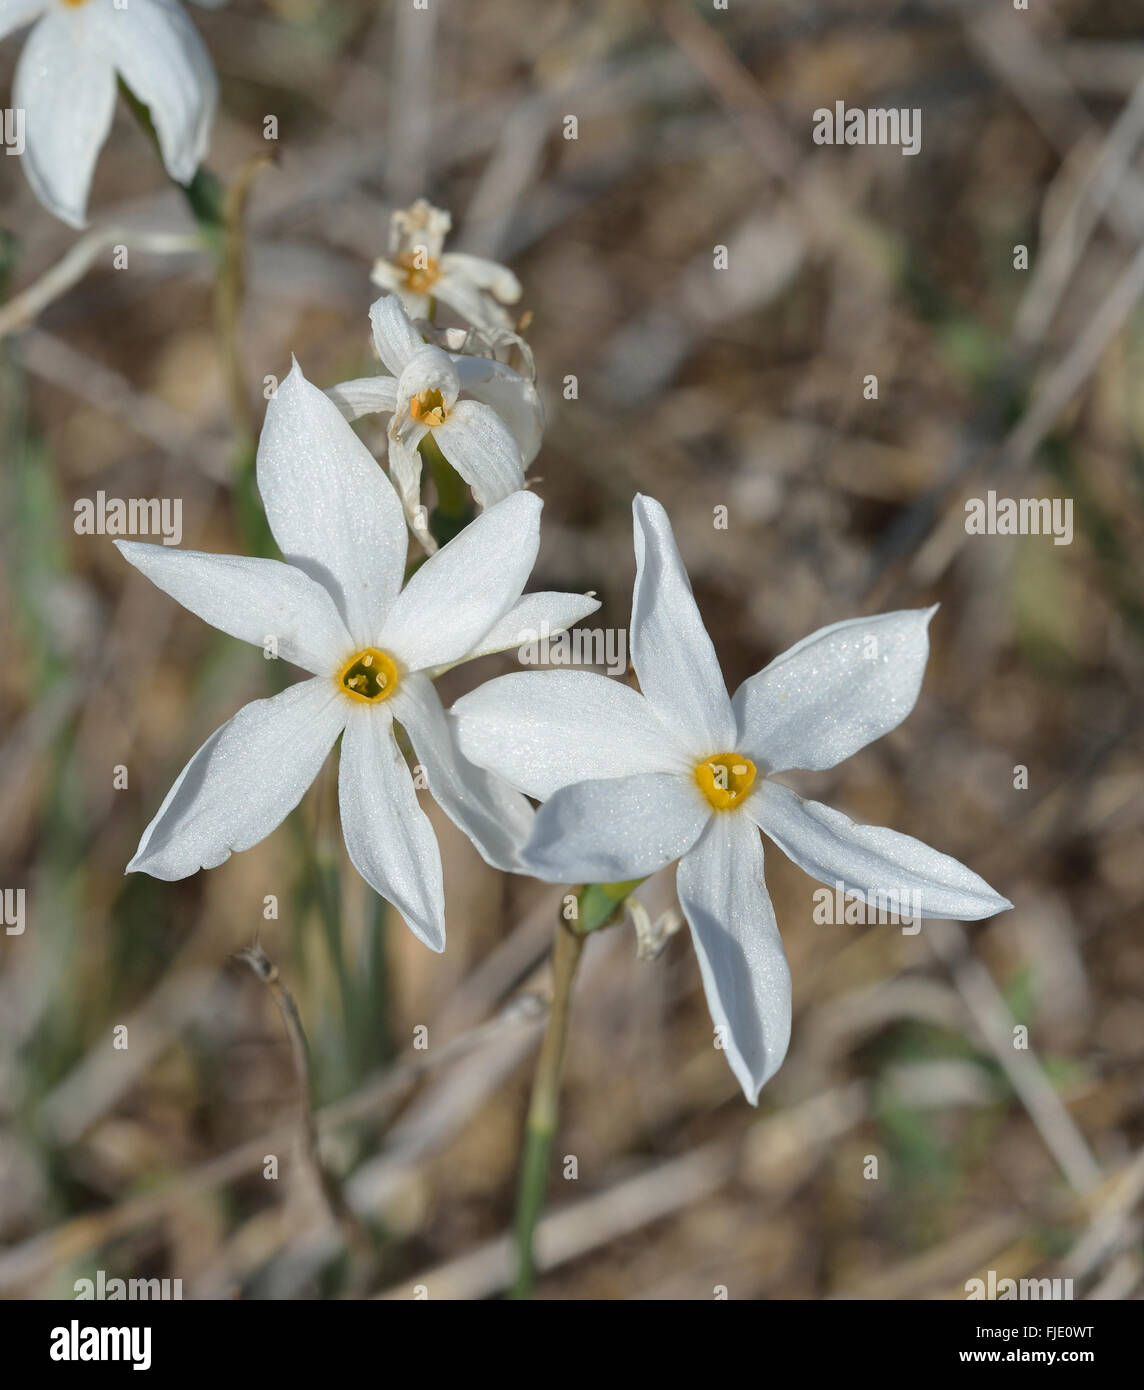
(598, 905)
(544, 1108)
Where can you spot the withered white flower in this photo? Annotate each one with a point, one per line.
(486, 419)
(65, 84)
(631, 782)
(418, 269)
(337, 608)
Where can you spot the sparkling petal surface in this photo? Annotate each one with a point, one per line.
(495, 817)
(533, 614)
(869, 858)
(513, 397)
(458, 594)
(251, 599)
(543, 730)
(671, 651)
(835, 691)
(609, 831)
(365, 395)
(480, 446)
(333, 511)
(394, 336)
(387, 834)
(244, 781)
(741, 958)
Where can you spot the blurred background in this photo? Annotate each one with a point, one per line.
(740, 388)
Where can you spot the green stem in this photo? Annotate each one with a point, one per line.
(598, 905)
(230, 285)
(454, 509)
(544, 1108)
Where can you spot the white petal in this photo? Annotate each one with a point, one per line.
(542, 730)
(388, 835)
(415, 305)
(158, 52)
(514, 398)
(459, 593)
(745, 973)
(869, 858)
(429, 369)
(495, 817)
(244, 781)
(418, 227)
(365, 395)
(394, 336)
(386, 276)
(15, 13)
(480, 446)
(333, 511)
(671, 651)
(612, 830)
(497, 279)
(533, 616)
(392, 280)
(835, 691)
(405, 470)
(251, 599)
(472, 304)
(66, 88)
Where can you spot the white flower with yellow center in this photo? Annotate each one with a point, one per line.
(337, 608)
(418, 269)
(486, 419)
(631, 782)
(65, 85)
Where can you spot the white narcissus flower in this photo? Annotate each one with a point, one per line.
(65, 84)
(418, 270)
(631, 782)
(337, 608)
(486, 419)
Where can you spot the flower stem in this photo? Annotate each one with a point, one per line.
(454, 509)
(598, 905)
(544, 1108)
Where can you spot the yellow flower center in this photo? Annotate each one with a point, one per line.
(421, 271)
(725, 779)
(428, 406)
(369, 676)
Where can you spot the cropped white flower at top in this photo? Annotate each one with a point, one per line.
(65, 85)
(631, 782)
(418, 269)
(486, 419)
(337, 607)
